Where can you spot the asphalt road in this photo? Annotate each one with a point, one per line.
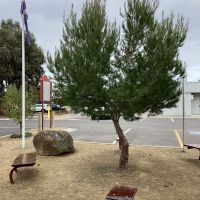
(150, 131)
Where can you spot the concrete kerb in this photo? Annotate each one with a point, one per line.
(133, 145)
(174, 117)
(3, 136)
(72, 115)
(35, 117)
(104, 143)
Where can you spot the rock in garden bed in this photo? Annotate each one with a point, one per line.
(53, 142)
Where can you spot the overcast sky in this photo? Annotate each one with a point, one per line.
(46, 22)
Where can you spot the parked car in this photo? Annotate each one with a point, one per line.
(66, 108)
(100, 115)
(55, 107)
(38, 108)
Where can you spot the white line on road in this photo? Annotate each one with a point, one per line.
(14, 127)
(73, 119)
(194, 132)
(127, 131)
(70, 130)
(172, 120)
(9, 127)
(124, 134)
(114, 141)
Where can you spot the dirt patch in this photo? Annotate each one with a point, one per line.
(89, 173)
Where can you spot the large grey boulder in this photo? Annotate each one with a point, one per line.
(53, 142)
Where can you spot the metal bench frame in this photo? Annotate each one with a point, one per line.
(193, 146)
(22, 160)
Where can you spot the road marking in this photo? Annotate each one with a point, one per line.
(124, 134)
(73, 119)
(194, 132)
(127, 131)
(70, 130)
(10, 127)
(172, 120)
(179, 138)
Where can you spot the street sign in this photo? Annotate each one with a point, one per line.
(45, 89)
(46, 96)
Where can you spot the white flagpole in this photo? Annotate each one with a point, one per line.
(23, 84)
(183, 113)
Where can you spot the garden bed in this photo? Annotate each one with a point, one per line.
(90, 172)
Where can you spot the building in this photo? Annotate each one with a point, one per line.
(191, 101)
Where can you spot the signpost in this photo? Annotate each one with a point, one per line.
(46, 96)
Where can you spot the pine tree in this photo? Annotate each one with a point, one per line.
(121, 74)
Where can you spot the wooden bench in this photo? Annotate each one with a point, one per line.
(121, 192)
(193, 146)
(22, 160)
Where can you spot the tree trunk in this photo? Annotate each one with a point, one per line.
(123, 161)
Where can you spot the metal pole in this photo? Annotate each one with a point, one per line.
(183, 115)
(39, 121)
(51, 114)
(42, 114)
(23, 84)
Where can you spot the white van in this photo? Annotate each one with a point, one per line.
(38, 108)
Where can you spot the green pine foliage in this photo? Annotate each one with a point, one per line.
(128, 70)
(125, 71)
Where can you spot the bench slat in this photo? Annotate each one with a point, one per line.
(26, 159)
(121, 192)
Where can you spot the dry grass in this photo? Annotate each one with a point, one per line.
(89, 173)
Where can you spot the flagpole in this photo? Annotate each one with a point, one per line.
(183, 114)
(23, 84)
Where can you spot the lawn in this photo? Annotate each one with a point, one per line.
(89, 173)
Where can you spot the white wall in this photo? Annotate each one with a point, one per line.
(190, 87)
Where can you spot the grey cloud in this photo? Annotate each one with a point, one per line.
(46, 22)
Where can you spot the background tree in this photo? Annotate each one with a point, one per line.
(11, 57)
(12, 103)
(137, 71)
